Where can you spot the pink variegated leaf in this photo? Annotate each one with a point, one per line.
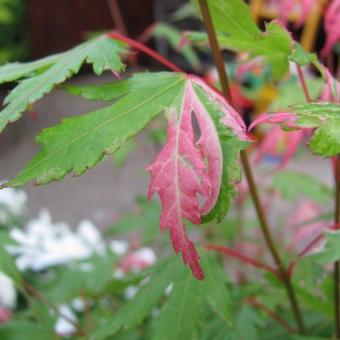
(331, 26)
(297, 9)
(323, 117)
(187, 174)
(279, 143)
(286, 118)
(289, 9)
(331, 91)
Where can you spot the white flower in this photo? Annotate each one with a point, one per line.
(78, 304)
(146, 254)
(43, 244)
(8, 294)
(63, 326)
(119, 247)
(11, 202)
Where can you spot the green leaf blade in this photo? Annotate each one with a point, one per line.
(32, 89)
(180, 317)
(79, 143)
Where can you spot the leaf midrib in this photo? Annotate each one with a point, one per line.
(103, 124)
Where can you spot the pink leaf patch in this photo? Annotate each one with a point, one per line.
(288, 119)
(331, 26)
(331, 90)
(279, 143)
(185, 169)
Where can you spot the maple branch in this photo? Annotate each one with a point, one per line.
(303, 83)
(285, 278)
(305, 251)
(275, 316)
(242, 258)
(308, 248)
(141, 47)
(117, 16)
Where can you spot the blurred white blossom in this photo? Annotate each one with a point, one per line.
(12, 202)
(44, 244)
(119, 247)
(8, 294)
(63, 325)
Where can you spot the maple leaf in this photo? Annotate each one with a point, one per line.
(102, 52)
(279, 143)
(323, 117)
(331, 26)
(236, 30)
(331, 90)
(185, 169)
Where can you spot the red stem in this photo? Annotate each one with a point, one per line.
(272, 314)
(303, 83)
(308, 248)
(242, 258)
(141, 47)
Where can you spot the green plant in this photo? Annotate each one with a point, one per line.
(195, 176)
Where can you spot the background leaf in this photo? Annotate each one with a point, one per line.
(237, 31)
(102, 52)
(180, 317)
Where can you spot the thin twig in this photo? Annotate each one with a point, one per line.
(305, 251)
(303, 83)
(275, 316)
(147, 50)
(242, 258)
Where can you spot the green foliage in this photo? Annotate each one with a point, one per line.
(325, 117)
(291, 93)
(102, 53)
(231, 146)
(173, 36)
(330, 251)
(300, 56)
(13, 28)
(7, 266)
(293, 185)
(24, 330)
(215, 286)
(181, 316)
(237, 31)
(137, 309)
(109, 91)
(79, 143)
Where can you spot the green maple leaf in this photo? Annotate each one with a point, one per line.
(237, 31)
(102, 53)
(139, 307)
(181, 315)
(79, 143)
(330, 252)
